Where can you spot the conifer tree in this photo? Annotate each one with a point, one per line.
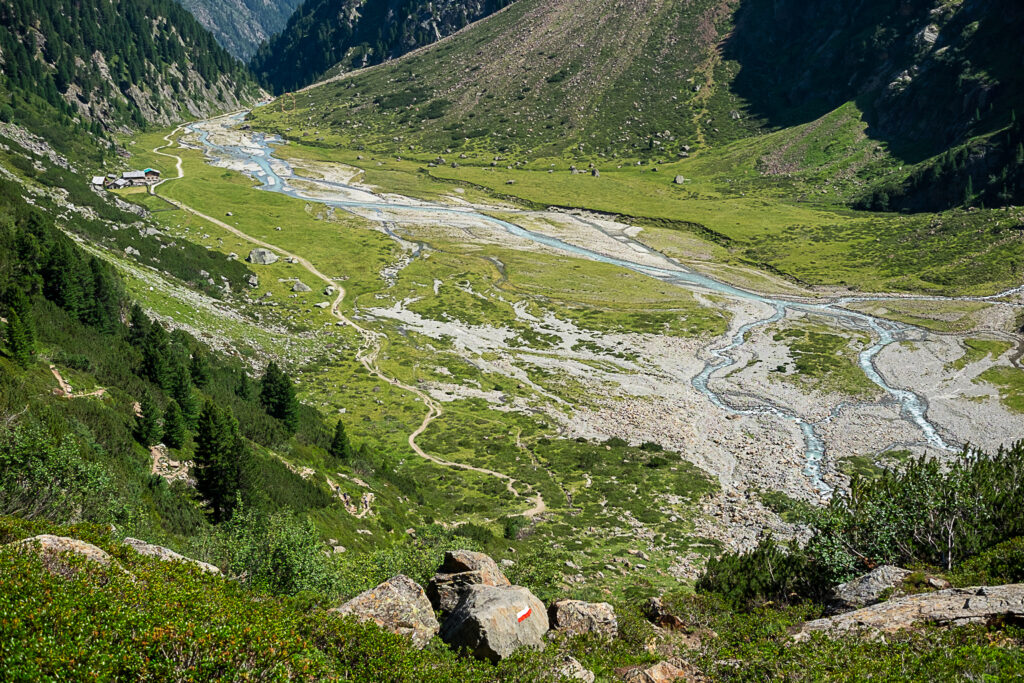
(278, 397)
(181, 390)
(19, 339)
(147, 425)
(175, 429)
(138, 325)
(199, 368)
(155, 356)
(340, 448)
(243, 389)
(220, 460)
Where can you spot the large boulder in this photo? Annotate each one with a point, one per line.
(492, 622)
(398, 605)
(575, 617)
(300, 286)
(53, 550)
(167, 555)
(868, 589)
(461, 569)
(262, 257)
(951, 607)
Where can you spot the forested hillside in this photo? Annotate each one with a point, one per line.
(323, 34)
(92, 66)
(241, 25)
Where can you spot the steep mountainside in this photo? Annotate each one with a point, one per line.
(112, 65)
(241, 25)
(325, 33)
(653, 78)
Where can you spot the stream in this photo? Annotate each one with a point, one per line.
(913, 408)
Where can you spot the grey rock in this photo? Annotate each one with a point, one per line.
(132, 251)
(253, 281)
(866, 590)
(575, 617)
(461, 569)
(262, 257)
(679, 180)
(299, 286)
(323, 304)
(54, 549)
(663, 672)
(575, 671)
(493, 622)
(596, 173)
(398, 605)
(167, 555)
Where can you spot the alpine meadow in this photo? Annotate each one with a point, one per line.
(512, 340)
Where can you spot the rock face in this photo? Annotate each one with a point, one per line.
(951, 607)
(492, 622)
(461, 569)
(867, 590)
(167, 555)
(299, 286)
(575, 617)
(398, 605)
(261, 257)
(52, 550)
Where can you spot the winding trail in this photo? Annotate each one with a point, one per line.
(371, 347)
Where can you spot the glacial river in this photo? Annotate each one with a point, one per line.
(275, 173)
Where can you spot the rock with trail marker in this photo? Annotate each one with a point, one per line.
(262, 257)
(461, 569)
(493, 622)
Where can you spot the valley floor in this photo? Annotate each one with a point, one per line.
(513, 329)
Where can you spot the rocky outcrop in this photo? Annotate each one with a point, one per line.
(54, 550)
(868, 589)
(575, 617)
(492, 622)
(951, 607)
(460, 570)
(398, 605)
(262, 257)
(167, 555)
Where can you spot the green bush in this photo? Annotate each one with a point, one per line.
(1003, 563)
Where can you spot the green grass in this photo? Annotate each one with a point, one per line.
(980, 349)
(826, 361)
(941, 316)
(1010, 382)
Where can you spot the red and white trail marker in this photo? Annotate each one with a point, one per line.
(524, 614)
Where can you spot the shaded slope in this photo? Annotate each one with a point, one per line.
(242, 25)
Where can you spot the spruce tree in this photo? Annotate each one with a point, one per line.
(181, 391)
(199, 368)
(968, 191)
(19, 339)
(340, 448)
(138, 325)
(156, 356)
(243, 389)
(175, 429)
(147, 424)
(278, 397)
(218, 469)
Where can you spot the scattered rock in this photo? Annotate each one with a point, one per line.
(575, 671)
(52, 549)
(867, 590)
(664, 672)
(299, 286)
(596, 173)
(262, 257)
(951, 607)
(398, 605)
(253, 281)
(656, 613)
(493, 622)
(132, 251)
(575, 617)
(323, 304)
(167, 555)
(461, 569)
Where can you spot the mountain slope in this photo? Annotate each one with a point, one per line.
(325, 33)
(112, 65)
(650, 79)
(241, 25)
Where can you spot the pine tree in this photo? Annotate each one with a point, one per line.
(138, 325)
(968, 191)
(175, 429)
(147, 425)
(340, 448)
(19, 339)
(156, 356)
(218, 460)
(1019, 156)
(181, 390)
(278, 397)
(199, 368)
(243, 389)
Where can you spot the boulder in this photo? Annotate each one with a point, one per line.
(461, 569)
(299, 286)
(679, 180)
(951, 607)
(664, 672)
(867, 589)
(492, 622)
(398, 605)
(658, 615)
(52, 550)
(575, 617)
(262, 257)
(167, 555)
(253, 281)
(574, 671)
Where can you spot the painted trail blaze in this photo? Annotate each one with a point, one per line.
(523, 614)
